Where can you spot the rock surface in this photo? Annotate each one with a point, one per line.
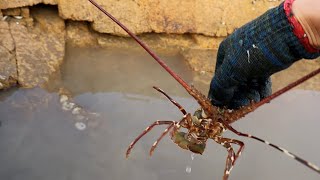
(79, 34)
(209, 17)
(32, 48)
(6, 4)
(39, 49)
(8, 71)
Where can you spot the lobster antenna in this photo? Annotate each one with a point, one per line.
(142, 44)
(181, 81)
(287, 88)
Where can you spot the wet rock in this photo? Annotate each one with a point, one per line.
(80, 114)
(200, 60)
(79, 34)
(296, 71)
(40, 49)
(6, 39)
(30, 99)
(167, 43)
(6, 4)
(8, 71)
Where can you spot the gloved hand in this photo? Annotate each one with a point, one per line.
(248, 57)
(307, 12)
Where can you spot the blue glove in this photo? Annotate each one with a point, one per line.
(247, 58)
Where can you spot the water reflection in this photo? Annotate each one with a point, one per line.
(38, 140)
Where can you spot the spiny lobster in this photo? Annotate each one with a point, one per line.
(208, 122)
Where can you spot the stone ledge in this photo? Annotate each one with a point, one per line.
(208, 17)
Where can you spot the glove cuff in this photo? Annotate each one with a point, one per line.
(274, 32)
(298, 30)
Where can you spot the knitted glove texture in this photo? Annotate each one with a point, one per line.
(247, 58)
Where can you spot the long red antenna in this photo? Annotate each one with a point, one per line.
(182, 82)
(287, 88)
(142, 44)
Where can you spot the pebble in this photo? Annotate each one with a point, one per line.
(67, 106)
(76, 110)
(80, 126)
(18, 17)
(63, 98)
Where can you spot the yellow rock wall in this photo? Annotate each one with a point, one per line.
(208, 17)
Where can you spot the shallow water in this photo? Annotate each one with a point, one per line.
(38, 140)
(97, 70)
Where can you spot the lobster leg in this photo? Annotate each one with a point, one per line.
(175, 127)
(297, 158)
(241, 147)
(145, 132)
(159, 139)
(232, 157)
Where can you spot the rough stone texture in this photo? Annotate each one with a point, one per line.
(12, 12)
(296, 71)
(8, 71)
(25, 12)
(6, 40)
(6, 4)
(208, 17)
(79, 34)
(166, 43)
(201, 60)
(40, 49)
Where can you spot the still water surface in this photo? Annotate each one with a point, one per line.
(39, 141)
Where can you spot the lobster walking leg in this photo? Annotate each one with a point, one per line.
(230, 161)
(175, 127)
(159, 139)
(145, 132)
(239, 143)
(299, 159)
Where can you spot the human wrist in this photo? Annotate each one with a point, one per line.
(305, 22)
(307, 13)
